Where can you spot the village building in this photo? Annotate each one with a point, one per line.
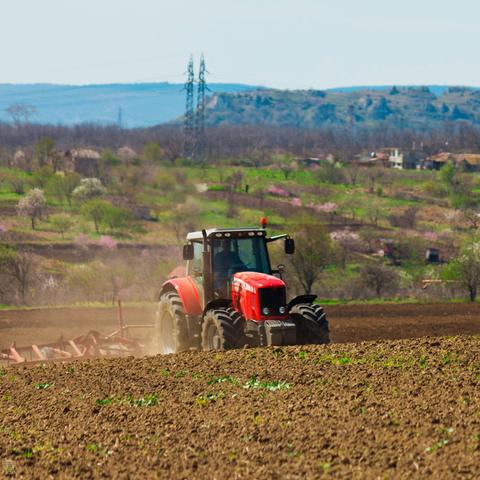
(84, 161)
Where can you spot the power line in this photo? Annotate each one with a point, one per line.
(200, 113)
(189, 120)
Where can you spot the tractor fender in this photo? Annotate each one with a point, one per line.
(301, 299)
(188, 293)
(217, 303)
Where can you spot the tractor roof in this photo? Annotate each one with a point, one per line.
(227, 233)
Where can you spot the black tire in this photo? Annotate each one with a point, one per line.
(222, 329)
(171, 329)
(312, 324)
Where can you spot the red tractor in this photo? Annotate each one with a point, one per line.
(230, 297)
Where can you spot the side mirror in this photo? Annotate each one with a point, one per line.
(289, 246)
(188, 251)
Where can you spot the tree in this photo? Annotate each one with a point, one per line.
(61, 187)
(88, 189)
(447, 175)
(233, 183)
(32, 205)
(20, 266)
(314, 252)
(116, 218)
(44, 150)
(465, 269)
(285, 163)
(382, 110)
(152, 152)
(96, 210)
(185, 218)
(20, 113)
(61, 223)
(378, 277)
(14, 179)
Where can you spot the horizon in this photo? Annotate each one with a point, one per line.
(356, 86)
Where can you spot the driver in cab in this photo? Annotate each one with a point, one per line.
(226, 262)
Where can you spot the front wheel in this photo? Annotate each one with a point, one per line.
(222, 329)
(312, 324)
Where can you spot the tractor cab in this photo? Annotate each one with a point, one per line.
(214, 256)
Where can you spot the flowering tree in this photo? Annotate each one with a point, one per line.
(89, 188)
(106, 241)
(328, 207)
(296, 202)
(277, 191)
(32, 205)
(81, 240)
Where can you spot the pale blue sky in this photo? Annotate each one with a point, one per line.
(280, 43)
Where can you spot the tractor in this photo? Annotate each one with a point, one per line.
(231, 297)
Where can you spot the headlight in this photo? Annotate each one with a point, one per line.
(266, 311)
(282, 310)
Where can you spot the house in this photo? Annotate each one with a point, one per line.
(373, 159)
(84, 161)
(315, 162)
(437, 161)
(404, 159)
(468, 162)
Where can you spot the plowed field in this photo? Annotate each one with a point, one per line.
(406, 408)
(385, 409)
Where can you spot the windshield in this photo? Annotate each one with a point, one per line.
(231, 255)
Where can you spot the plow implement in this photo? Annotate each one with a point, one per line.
(93, 344)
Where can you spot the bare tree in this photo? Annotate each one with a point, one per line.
(233, 183)
(20, 113)
(313, 254)
(185, 218)
(465, 269)
(379, 278)
(19, 266)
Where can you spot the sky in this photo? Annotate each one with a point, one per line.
(278, 43)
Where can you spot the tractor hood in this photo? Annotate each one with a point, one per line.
(252, 281)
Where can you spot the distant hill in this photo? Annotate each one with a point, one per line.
(148, 104)
(142, 104)
(408, 107)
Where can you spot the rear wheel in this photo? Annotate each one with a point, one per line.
(171, 330)
(222, 329)
(312, 324)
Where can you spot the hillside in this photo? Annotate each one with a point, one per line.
(148, 104)
(406, 107)
(142, 104)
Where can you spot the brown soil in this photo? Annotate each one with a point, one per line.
(384, 409)
(348, 323)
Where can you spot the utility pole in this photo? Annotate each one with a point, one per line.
(200, 114)
(120, 118)
(189, 120)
